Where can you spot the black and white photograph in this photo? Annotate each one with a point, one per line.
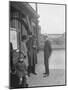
(37, 44)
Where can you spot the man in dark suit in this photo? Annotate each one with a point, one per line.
(47, 53)
(34, 60)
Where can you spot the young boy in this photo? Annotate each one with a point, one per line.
(22, 72)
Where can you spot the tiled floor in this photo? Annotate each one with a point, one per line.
(56, 77)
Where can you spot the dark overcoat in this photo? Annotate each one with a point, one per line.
(29, 51)
(47, 50)
(34, 52)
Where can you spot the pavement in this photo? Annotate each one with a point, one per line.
(56, 77)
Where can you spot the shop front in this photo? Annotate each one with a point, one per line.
(21, 17)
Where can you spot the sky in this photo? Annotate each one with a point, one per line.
(52, 18)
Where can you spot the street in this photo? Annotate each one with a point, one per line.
(57, 70)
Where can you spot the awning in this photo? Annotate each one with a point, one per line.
(25, 8)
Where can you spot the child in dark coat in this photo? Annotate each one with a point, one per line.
(21, 71)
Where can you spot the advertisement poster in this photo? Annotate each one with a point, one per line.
(13, 37)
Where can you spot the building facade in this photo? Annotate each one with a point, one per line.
(23, 20)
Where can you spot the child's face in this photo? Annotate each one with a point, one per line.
(21, 59)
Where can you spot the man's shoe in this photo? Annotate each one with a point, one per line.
(28, 75)
(46, 75)
(27, 85)
(34, 73)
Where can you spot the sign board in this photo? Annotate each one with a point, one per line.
(13, 37)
